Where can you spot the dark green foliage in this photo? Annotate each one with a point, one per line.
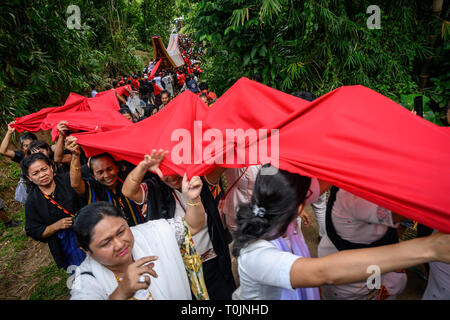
(42, 60)
(316, 46)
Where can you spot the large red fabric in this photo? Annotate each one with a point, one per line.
(122, 90)
(90, 121)
(32, 122)
(133, 142)
(106, 102)
(353, 137)
(84, 114)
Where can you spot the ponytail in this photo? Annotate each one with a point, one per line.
(275, 202)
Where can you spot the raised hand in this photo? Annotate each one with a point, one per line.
(140, 270)
(152, 162)
(62, 127)
(191, 188)
(11, 129)
(72, 145)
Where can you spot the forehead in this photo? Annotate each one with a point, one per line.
(107, 227)
(37, 165)
(27, 141)
(101, 163)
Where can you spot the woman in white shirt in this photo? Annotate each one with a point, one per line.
(120, 259)
(265, 271)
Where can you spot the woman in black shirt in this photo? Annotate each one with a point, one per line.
(49, 209)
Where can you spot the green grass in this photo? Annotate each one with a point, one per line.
(53, 284)
(15, 238)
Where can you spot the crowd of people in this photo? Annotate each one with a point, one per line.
(138, 234)
(152, 89)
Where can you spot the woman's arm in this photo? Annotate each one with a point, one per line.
(61, 224)
(195, 212)
(350, 266)
(76, 181)
(132, 185)
(5, 143)
(58, 155)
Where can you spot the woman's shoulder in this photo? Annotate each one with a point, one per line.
(258, 246)
(86, 285)
(152, 224)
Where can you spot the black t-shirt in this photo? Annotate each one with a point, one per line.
(19, 155)
(41, 212)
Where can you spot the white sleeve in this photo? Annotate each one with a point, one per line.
(86, 287)
(267, 265)
(177, 226)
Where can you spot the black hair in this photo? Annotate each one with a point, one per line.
(28, 161)
(38, 144)
(166, 92)
(101, 155)
(279, 196)
(305, 95)
(88, 217)
(93, 86)
(203, 86)
(148, 110)
(114, 83)
(27, 136)
(124, 111)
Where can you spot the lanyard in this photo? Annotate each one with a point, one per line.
(56, 204)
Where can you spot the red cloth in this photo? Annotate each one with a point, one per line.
(102, 116)
(107, 100)
(120, 91)
(135, 84)
(353, 137)
(211, 95)
(32, 122)
(133, 142)
(105, 105)
(157, 89)
(90, 121)
(155, 68)
(181, 78)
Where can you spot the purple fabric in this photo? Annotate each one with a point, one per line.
(299, 248)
